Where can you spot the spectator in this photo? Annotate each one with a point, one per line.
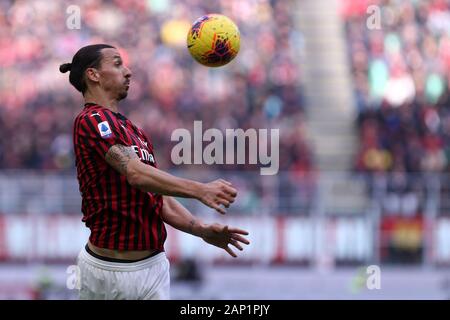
(169, 90)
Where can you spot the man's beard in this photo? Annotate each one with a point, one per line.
(122, 95)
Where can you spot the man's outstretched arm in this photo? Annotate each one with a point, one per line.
(150, 179)
(176, 215)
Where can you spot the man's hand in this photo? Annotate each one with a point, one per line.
(174, 214)
(217, 193)
(221, 236)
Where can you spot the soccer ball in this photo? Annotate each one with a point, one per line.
(213, 40)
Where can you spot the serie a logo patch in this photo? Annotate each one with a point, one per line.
(105, 130)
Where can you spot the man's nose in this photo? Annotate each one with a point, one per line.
(128, 72)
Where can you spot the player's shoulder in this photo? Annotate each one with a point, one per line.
(95, 118)
(95, 111)
(95, 114)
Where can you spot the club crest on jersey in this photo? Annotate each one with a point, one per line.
(105, 130)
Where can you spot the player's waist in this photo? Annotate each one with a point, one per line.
(121, 266)
(122, 256)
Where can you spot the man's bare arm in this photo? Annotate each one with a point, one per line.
(176, 215)
(150, 179)
(118, 156)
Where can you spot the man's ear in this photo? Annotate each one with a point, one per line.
(92, 74)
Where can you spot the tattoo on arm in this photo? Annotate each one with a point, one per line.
(118, 157)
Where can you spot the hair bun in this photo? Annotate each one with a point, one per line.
(65, 67)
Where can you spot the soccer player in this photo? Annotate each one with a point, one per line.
(125, 198)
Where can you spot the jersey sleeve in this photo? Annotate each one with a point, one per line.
(99, 130)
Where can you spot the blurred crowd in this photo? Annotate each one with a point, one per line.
(169, 90)
(400, 57)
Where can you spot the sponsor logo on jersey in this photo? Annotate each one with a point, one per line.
(143, 154)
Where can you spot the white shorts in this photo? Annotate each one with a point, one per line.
(147, 279)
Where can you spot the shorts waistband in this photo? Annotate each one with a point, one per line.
(92, 253)
(120, 266)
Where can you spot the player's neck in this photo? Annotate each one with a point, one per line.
(101, 100)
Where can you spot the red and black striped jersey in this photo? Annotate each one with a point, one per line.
(119, 216)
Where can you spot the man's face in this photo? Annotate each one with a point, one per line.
(114, 76)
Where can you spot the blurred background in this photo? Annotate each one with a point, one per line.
(358, 89)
